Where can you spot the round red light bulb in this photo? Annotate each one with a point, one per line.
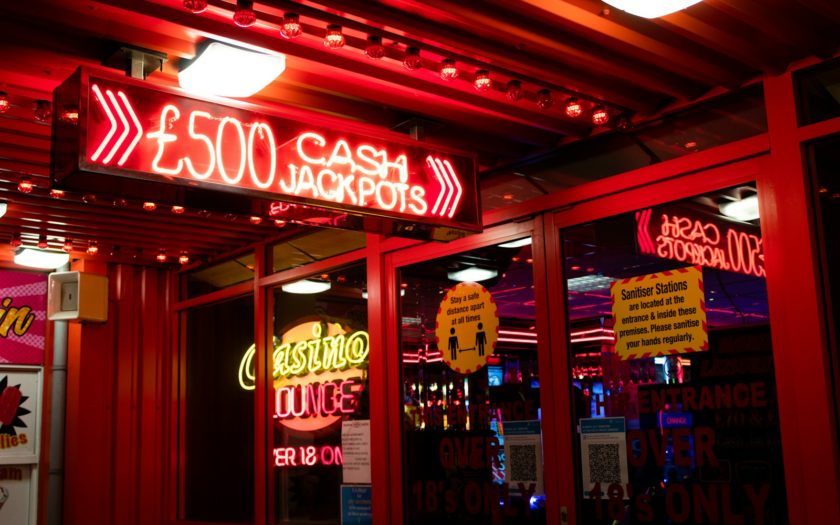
(544, 99)
(482, 81)
(573, 108)
(448, 70)
(334, 38)
(514, 90)
(43, 110)
(375, 49)
(195, 6)
(25, 185)
(412, 60)
(600, 116)
(244, 15)
(290, 27)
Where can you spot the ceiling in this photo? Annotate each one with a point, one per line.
(637, 69)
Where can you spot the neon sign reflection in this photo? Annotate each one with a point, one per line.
(699, 242)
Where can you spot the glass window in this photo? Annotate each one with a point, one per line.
(825, 166)
(220, 276)
(719, 121)
(819, 92)
(218, 435)
(315, 245)
(674, 394)
(320, 406)
(471, 389)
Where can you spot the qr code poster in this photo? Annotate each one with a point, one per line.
(603, 446)
(523, 454)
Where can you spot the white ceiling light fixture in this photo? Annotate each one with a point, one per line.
(651, 8)
(307, 286)
(518, 243)
(745, 209)
(3, 208)
(41, 259)
(472, 274)
(230, 71)
(589, 283)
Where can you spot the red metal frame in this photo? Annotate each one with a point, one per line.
(803, 368)
(393, 477)
(672, 187)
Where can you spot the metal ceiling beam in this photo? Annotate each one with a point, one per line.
(560, 66)
(635, 44)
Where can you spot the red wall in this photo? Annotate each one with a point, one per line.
(116, 445)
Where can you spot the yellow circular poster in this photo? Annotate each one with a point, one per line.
(467, 327)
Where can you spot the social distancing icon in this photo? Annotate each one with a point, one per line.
(467, 327)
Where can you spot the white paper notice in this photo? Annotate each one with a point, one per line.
(355, 445)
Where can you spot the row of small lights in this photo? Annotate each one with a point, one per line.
(93, 248)
(25, 185)
(245, 16)
(42, 110)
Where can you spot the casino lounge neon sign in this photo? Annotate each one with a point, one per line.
(687, 239)
(318, 374)
(131, 131)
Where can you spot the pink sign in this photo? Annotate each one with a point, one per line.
(23, 317)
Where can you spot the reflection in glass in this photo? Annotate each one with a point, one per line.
(220, 276)
(471, 421)
(320, 363)
(218, 446)
(674, 395)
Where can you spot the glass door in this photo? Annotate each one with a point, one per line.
(671, 366)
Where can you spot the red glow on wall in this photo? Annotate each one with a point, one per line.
(131, 130)
(698, 241)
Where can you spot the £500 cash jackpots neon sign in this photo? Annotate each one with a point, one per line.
(132, 130)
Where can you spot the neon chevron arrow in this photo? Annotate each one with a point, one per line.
(110, 105)
(106, 108)
(454, 178)
(137, 125)
(431, 163)
(642, 222)
(450, 187)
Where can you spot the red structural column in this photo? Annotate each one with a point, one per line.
(88, 488)
(809, 439)
(115, 444)
(383, 378)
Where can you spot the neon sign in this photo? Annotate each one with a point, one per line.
(157, 135)
(18, 320)
(318, 372)
(719, 245)
(308, 456)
